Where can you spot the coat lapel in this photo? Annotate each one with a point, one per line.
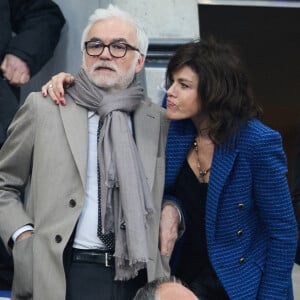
(223, 162)
(146, 127)
(75, 123)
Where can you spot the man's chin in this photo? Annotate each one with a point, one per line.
(104, 84)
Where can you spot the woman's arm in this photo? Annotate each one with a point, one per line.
(272, 197)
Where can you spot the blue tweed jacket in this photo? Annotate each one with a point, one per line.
(250, 225)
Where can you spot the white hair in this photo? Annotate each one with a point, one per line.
(113, 11)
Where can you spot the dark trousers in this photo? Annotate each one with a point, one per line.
(92, 281)
(6, 268)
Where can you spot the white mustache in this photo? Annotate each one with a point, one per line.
(103, 64)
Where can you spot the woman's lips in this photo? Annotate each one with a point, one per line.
(170, 104)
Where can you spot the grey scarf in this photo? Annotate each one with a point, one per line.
(125, 194)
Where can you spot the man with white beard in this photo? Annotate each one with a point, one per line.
(90, 226)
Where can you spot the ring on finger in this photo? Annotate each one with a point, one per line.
(49, 86)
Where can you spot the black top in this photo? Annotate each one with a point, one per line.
(192, 193)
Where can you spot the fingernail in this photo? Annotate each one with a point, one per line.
(44, 94)
(63, 102)
(55, 101)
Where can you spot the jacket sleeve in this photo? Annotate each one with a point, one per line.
(274, 205)
(37, 25)
(5, 27)
(15, 167)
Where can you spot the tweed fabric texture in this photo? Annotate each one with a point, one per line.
(250, 225)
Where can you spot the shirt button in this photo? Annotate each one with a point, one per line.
(72, 203)
(58, 238)
(242, 260)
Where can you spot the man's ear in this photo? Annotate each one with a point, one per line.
(140, 64)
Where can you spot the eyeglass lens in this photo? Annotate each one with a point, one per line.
(95, 48)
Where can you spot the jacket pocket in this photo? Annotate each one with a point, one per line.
(23, 269)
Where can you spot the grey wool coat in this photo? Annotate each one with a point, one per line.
(47, 149)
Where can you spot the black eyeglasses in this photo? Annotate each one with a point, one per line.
(116, 49)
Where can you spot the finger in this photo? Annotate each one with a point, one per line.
(45, 89)
(19, 78)
(52, 94)
(25, 77)
(7, 70)
(14, 78)
(60, 82)
(8, 74)
(58, 90)
(69, 81)
(3, 65)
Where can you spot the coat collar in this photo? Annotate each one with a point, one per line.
(222, 164)
(75, 123)
(147, 128)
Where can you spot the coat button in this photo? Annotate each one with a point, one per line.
(241, 205)
(58, 238)
(239, 232)
(242, 260)
(123, 226)
(72, 203)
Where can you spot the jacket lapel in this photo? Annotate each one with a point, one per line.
(75, 123)
(146, 127)
(223, 162)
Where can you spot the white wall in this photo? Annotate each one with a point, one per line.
(165, 18)
(161, 19)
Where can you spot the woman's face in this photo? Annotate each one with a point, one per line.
(183, 101)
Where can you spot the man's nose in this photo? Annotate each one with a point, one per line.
(105, 54)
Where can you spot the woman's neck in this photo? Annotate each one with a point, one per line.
(202, 125)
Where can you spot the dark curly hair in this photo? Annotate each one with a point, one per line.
(225, 93)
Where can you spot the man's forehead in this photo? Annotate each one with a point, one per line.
(113, 29)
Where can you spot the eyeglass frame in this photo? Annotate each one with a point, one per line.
(127, 47)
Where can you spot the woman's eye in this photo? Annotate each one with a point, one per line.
(184, 86)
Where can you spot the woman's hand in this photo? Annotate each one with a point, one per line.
(168, 229)
(56, 85)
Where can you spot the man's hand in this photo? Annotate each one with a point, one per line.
(24, 235)
(55, 87)
(168, 230)
(15, 70)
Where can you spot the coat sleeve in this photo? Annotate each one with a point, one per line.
(274, 205)
(15, 167)
(5, 27)
(37, 26)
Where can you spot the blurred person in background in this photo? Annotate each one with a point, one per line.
(166, 288)
(29, 33)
